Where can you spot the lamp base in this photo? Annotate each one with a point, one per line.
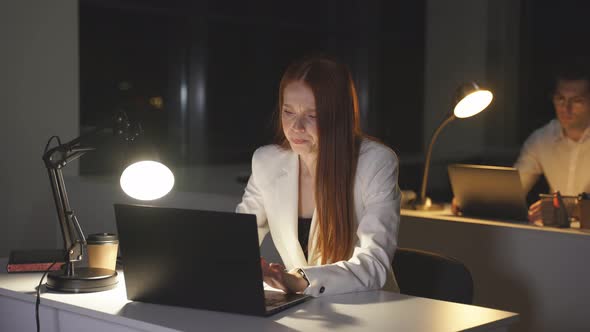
(427, 205)
(85, 280)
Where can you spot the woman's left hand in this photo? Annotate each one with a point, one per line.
(275, 276)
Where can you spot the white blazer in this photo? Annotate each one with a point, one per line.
(272, 195)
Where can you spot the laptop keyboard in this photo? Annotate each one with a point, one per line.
(273, 299)
(279, 301)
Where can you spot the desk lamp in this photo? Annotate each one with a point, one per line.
(469, 101)
(145, 180)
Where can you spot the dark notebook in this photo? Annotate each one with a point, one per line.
(38, 260)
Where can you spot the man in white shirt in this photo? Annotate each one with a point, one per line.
(561, 149)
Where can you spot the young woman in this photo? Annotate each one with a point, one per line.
(327, 194)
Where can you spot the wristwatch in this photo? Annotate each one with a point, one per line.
(302, 274)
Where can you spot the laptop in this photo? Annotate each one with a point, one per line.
(490, 192)
(192, 258)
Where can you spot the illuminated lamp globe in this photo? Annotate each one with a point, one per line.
(147, 180)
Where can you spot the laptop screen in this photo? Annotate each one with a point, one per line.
(190, 258)
(491, 192)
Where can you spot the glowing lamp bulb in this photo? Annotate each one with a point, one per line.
(473, 103)
(147, 180)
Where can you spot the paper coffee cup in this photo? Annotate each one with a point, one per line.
(102, 250)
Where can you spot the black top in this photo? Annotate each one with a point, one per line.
(303, 228)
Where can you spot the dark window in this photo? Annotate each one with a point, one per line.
(202, 76)
(552, 32)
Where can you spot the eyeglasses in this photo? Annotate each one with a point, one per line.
(575, 101)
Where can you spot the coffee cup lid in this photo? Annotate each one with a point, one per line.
(102, 238)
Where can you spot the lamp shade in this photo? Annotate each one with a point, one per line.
(147, 180)
(471, 100)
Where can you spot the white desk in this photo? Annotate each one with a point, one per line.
(111, 311)
(540, 272)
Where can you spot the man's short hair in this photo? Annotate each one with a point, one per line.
(572, 69)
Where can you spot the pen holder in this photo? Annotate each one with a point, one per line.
(583, 207)
(558, 210)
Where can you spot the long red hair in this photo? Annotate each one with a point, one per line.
(338, 144)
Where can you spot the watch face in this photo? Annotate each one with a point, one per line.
(302, 274)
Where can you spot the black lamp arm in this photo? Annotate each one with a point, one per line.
(57, 158)
(429, 154)
(70, 228)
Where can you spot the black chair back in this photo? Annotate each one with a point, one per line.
(427, 274)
